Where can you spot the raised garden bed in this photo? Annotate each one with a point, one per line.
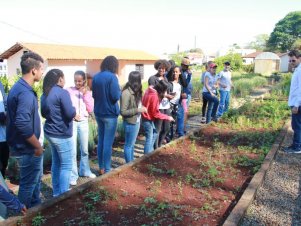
(195, 180)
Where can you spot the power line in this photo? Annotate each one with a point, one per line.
(29, 32)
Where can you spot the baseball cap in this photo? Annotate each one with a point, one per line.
(185, 61)
(213, 65)
(227, 63)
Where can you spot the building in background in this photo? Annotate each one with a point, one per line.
(267, 63)
(3, 68)
(72, 58)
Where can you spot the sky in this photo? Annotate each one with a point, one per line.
(154, 26)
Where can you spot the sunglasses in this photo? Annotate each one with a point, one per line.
(292, 61)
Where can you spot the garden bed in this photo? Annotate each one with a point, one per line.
(195, 180)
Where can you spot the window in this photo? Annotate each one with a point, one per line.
(18, 71)
(140, 68)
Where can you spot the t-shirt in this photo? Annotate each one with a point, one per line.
(225, 79)
(212, 81)
(176, 89)
(2, 127)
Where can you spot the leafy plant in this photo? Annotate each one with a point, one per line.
(38, 220)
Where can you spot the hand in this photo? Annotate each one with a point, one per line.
(142, 109)
(295, 110)
(83, 90)
(77, 118)
(171, 119)
(38, 151)
(24, 210)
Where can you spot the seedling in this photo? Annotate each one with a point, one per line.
(38, 220)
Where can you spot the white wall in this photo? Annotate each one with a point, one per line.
(13, 63)
(248, 61)
(149, 70)
(68, 72)
(284, 63)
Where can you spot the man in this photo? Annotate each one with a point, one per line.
(225, 85)
(294, 101)
(204, 107)
(23, 129)
(4, 149)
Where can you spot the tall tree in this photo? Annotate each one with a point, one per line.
(259, 43)
(285, 33)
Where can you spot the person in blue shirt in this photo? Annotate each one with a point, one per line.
(106, 93)
(57, 109)
(4, 149)
(24, 128)
(9, 201)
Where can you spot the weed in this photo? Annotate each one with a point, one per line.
(193, 147)
(38, 220)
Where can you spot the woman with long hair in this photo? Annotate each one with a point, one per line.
(106, 93)
(83, 103)
(131, 109)
(151, 100)
(57, 109)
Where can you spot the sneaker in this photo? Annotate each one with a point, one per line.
(203, 119)
(73, 183)
(92, 175)
(292, 150)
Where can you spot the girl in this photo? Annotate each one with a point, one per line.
(57, 109)
(151, 100)
(131, 109)
(83, 102)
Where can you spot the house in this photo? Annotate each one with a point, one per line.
(230, 49)
(249, 58)
(195, 58)
(284, 64)
(72, 58)
(3, 68)
(266, 63)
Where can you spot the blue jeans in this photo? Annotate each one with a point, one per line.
(223, 102)
(31, 171)
(106, 135)
(150, 135)
(131, 133)
(296, 126)
(81, 131)
(61, 167)
(180, 120)
(212, 106)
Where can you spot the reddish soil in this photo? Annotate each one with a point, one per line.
(193, 182)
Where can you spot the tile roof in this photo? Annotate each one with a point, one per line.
(252, 55)
(68, 52)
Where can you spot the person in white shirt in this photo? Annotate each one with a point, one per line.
(294, 101)
(225, 85)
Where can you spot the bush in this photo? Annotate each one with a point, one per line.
(248, 68)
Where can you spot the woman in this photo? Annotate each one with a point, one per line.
(106, 94)
(83, 103)
(151, 100)
(162, 126)
(131, 109)
(57, 109)
(174, 77)
(210, 93)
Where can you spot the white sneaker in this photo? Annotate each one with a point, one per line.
(203, 119)
(73, 182)
(92, 175)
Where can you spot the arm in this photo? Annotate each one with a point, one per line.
(89, 101)
(207, 85)
(115, 91)
(153, 109)
(66, 105)
(10, 201)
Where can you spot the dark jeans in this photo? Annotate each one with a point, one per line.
(31, 171)
(296, 126)
(162, 127)
(4, 155)
(212, 106)
(204, 107)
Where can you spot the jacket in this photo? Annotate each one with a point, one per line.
(128, 106)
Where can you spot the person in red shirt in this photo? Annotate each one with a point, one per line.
(151, 100)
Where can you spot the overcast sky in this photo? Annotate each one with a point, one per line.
(155, 26)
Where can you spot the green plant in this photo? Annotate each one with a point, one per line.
(38, 220)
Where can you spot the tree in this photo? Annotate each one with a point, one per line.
(285, 33)
(234, 59)
(259, 43)
(297, 44)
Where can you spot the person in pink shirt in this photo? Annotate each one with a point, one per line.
(83, 102)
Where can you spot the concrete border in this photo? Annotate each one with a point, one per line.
(249, 194)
